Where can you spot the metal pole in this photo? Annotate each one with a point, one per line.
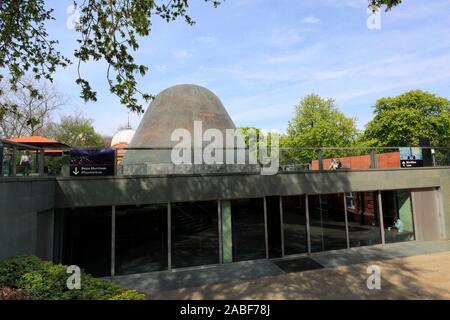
(169, 236)
(320, 159)
(380, 215)
(265, 229)
(14, 162)
(41, 162)
(308, 231)
(219, 216)
(113, 241)
(373, 159)
(346, 221)
(282, 226)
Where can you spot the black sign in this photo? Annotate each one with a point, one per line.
(411, 157)
(92, 163)
(411, 163)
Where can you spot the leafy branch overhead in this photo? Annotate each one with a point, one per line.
(109, 30)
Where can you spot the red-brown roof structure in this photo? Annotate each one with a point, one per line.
(41, 142)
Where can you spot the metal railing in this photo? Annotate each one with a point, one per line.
(39, 163)
(158, 161)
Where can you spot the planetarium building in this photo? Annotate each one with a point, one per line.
(158, 216)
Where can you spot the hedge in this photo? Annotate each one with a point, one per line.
(43, 280)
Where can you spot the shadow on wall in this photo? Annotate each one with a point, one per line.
(170, 188)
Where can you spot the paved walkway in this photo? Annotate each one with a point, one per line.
(415, 270)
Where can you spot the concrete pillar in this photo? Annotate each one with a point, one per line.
(41, 162)
(320, 159)
(227, 239)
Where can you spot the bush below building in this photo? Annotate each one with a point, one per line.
(25, 277)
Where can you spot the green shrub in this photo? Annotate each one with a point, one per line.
(43, 280)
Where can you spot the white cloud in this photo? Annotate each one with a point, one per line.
(283, 37)
(207, 39)
(162, 68)
(311, 20)
(180, 54)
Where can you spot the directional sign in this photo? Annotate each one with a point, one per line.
(92, 162)
(411, 157)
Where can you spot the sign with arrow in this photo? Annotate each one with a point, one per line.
(92, 162)
(411, 157)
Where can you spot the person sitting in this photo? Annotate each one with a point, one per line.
(335, 164)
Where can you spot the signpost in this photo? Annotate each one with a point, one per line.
(411, 157)
(92, 163)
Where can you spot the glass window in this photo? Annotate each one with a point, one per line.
(294, 225)
(141, 239)
(350, 197)
(274, 226)
(363, 219)
(327, 222)
(248, 231)
(195, 235)
(397, 216)
(87, 239)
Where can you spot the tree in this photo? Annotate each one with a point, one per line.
(78, 132)
(317, 123)
(108, 30)
(388, 3)
(402, 120)
(31, 115)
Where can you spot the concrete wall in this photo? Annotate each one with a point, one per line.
(20, 201)
(22, 198)
(158, 189)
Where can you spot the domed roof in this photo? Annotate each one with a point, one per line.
(178, 107)
(123, 136)
(174, 108)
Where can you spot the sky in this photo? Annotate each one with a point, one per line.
(260, 57)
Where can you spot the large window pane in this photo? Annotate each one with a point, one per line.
(248, 232)
(363, 219)
(327, 222)
(397, 216)
(87, 239)
(141, 238)
(294, 225)
(195, 235)
(274, 226)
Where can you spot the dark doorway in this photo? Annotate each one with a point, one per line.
(195, 234)
(247, 219)
(87, 239)
(294, 225)
(274, 226)
(141, 239)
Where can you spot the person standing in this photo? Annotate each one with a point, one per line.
(25, 163)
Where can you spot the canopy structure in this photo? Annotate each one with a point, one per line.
(42, 142)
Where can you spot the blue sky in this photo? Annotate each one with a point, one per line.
(262, 56)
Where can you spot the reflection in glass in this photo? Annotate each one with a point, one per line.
(274, 226)
(327, 222)
(294, 225)
(195, 235)
(141, 238)
(397, 216)
(87, 239)
(363, 219)
(248, 232)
